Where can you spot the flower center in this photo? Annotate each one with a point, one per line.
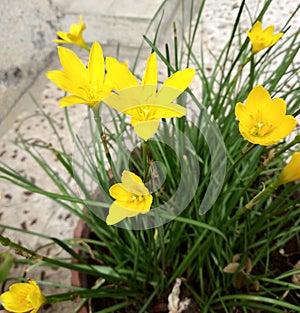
(137, 198)
(145, 114)
(94, 93)
(260, 129)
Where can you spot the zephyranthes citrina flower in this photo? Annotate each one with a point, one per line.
(74, 36)
(132, 198)
(291, 172)
(262, 39)
(142, 101)
(23, 297)
(262, 120)
(86, 84)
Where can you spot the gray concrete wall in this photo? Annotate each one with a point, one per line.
(28, 26)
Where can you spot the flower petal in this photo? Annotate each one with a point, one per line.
(145, 130)
(72, 64)
(274, 111)
(287, 125)
(117, 191)
(71, 100)
(117, 213)
(268, 32)
(257, 98)
(96, 65)
(14, 302)
(119, 74)
(63, 81)
(257, 28)
(64, 37)
(150, 74)
(242, 114)
(291, 172)
(175, 85)
(275, 38)
(133, 183)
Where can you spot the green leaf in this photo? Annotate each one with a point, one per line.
(6, 262)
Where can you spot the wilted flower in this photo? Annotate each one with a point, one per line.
(132, 198)
(74, 36)
(263, 120)
(142, 101)
(23, 297)
(86, 84)
(262, 39)
(291, 172)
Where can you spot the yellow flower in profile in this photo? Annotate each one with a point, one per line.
(74, 36)
(86, 84)
(262, 39)
(291, 172)
(263, 120)
(23, 297)
(142, 101)
(132, 198)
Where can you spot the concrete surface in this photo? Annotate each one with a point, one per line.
(109, 22)
(27, 28)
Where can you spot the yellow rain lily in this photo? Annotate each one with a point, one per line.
(262, 39)
(23, 297)
(86, 84)
(291, 172)
(142, 101)
(74, 36)
(263, 120)
(132, 198)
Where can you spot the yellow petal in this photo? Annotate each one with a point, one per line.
(117, 213)
(133, 183)
(268, 32)
(145, 130)
(157, 111)
(274, 111)
(119, 74)
(275, 38)
(72, 64)
(14, 303)
(291, 172)
(175, 85)
(257, 28)
(118, 192)
(71, 100)
(64, 37)
(64, 81)
(96, 65)
(257, 98)
(242, 114)
(150, 74)
(285, 128)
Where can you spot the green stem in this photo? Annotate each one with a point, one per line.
(98, 122)
(288, 146)
(296, 113)
(271, 188)
(244, 151)
(252, 67)
(145, 160)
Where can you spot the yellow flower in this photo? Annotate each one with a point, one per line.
(86, 84)
(74, 36)
(23, 297)
(142, 101)
(291, 172)
(262, 39)
(262, 120)
(132, 198)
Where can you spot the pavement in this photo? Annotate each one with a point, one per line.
(118, 25)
